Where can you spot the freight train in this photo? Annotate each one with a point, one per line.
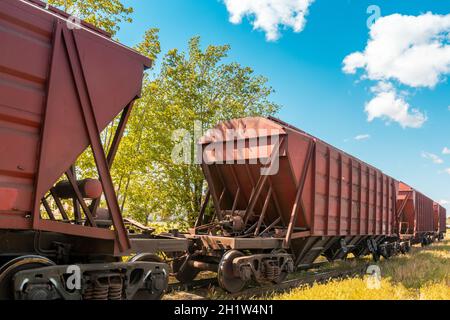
(278, 197)
(282, 198)
(61, 84)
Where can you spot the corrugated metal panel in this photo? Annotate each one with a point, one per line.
(351, 198)
(443, 220)
(24, 65)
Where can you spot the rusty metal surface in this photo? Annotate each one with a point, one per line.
(228, 243)
(318, 190)
(159, 245)
(90, 272)
(443, 220)
(415, 211)
(22, 243)
(440, 218)
(59, 88)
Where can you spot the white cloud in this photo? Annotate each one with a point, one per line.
(413, 50)
(447, 170)
(432, 157)
(390, 106)
(409, 50)
(444, 202)
(270, 15)
(446, 151)
(362, 137)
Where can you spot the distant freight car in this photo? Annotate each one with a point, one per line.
(416, 215)
(440, 219)
(282, 198)
(60, 85)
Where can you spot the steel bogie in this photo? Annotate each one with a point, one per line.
(10, 269)
(108, 281)
(263, 267)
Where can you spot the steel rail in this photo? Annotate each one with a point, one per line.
(323, 277)
(261, 291)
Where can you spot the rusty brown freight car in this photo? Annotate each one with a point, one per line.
(440, 221)
(61, 84)
(415, 215)
(60, 87)
(288, 198)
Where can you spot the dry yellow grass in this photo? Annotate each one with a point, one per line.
(424, 274)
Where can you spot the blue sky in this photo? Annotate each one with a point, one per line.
(306, 70)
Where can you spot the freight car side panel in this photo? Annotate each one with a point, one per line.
(425, 213)
(443, 220)
(60, 86)
(24, 65)
(440, 218)
(351, 198)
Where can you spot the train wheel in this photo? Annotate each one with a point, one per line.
(14, 266)
(144, 294)
(227, 280)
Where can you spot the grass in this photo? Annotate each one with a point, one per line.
(424, 274)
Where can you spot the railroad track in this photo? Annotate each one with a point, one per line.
(196, 284)
(260, 291)
(309, 280)
(208, 282)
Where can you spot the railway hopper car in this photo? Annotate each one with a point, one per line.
(415, 215)
(440, 220)
(281, 198)
(61, 84)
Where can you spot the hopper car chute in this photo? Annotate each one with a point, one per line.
(60, 86)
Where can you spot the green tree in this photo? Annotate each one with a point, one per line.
(105, 14)
(130, 173)
(193, 86)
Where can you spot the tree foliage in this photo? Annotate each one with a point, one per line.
(105, 14)
(197, 85)
(193, 86)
